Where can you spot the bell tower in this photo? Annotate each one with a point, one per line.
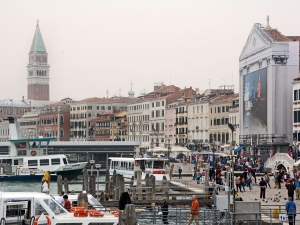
(38, 69)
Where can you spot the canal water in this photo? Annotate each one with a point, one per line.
(17, 186)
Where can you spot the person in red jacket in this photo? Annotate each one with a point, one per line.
(194, 212)
(67, 203)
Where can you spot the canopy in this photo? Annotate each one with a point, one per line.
(173, 149)
(224, 146)
(238, 148)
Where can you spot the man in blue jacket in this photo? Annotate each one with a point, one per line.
(291, 211)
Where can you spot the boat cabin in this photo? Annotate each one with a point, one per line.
(19, 207)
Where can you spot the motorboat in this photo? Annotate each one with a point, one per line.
(93, 203)
(39, 208)
(27, 159)
(128, 166)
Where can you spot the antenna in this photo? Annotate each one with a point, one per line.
(120, 91)
(107, 93)
(209, 83)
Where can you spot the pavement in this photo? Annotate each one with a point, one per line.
(254, 195)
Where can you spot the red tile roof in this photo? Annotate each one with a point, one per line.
(110, 100)
(276, 35)
(226, 98)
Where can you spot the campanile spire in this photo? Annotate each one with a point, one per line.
(38, 68)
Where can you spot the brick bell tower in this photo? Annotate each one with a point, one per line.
(38, 68)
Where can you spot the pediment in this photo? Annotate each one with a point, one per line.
(257, 40)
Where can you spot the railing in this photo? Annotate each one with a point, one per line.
(273, 214)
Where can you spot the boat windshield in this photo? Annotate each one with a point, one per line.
(52, 205)
(158, 164)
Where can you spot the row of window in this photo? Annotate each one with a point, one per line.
(21, 111)
(90, 107)
(219, 109)
(46, 162)
(38, 73)
(202, 109)
(222, 121)
(138, 107)
(138, 118)
(158, 113)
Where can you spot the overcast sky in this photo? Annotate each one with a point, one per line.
(100, 45)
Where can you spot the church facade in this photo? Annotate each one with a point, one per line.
(267, 66)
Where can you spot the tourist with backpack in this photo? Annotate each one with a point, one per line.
(250, 181)
(267, 179)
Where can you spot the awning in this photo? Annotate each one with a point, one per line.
(238, 148)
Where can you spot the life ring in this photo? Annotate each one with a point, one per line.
(137, 162)
(37, 218)
(33, 152)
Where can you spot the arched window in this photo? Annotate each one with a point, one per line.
(61, 133)
(7, 111)
(42, 73)
(61, 120)
(37, 72)
(45, 73)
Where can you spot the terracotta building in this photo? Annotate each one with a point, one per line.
(100, 128)
(55, 121)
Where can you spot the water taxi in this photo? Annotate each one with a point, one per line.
(39, 208)
(128, 166)
(28, 159)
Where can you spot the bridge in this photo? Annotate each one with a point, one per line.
(279, 160)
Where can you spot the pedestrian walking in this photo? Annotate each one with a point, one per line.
(279, 180)
(297, 186)
(290, 188)
(180, 172)
(194, 173)
(250, 181)
(194, 211)
(198, 176)
(267, 179)
(238, 184)
(242, 182)
(203, 177)
(291, 210)
(165, 210)
(263, 186)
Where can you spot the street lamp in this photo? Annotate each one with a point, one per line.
(92, 162)
(169, 150)
(214, 150)
(151, 145)
(98, 166)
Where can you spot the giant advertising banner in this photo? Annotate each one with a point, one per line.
(255, 102)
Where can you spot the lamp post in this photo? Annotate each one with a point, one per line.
(214, 149)
(92, 162)
(98, 166)
(169, 150)
(151, 145)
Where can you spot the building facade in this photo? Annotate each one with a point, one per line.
(170, 123)
(219, 119)
(82, 112)
(38, 69)
(55, 121)
(268, 64)
(296, 109)
(118, 127)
